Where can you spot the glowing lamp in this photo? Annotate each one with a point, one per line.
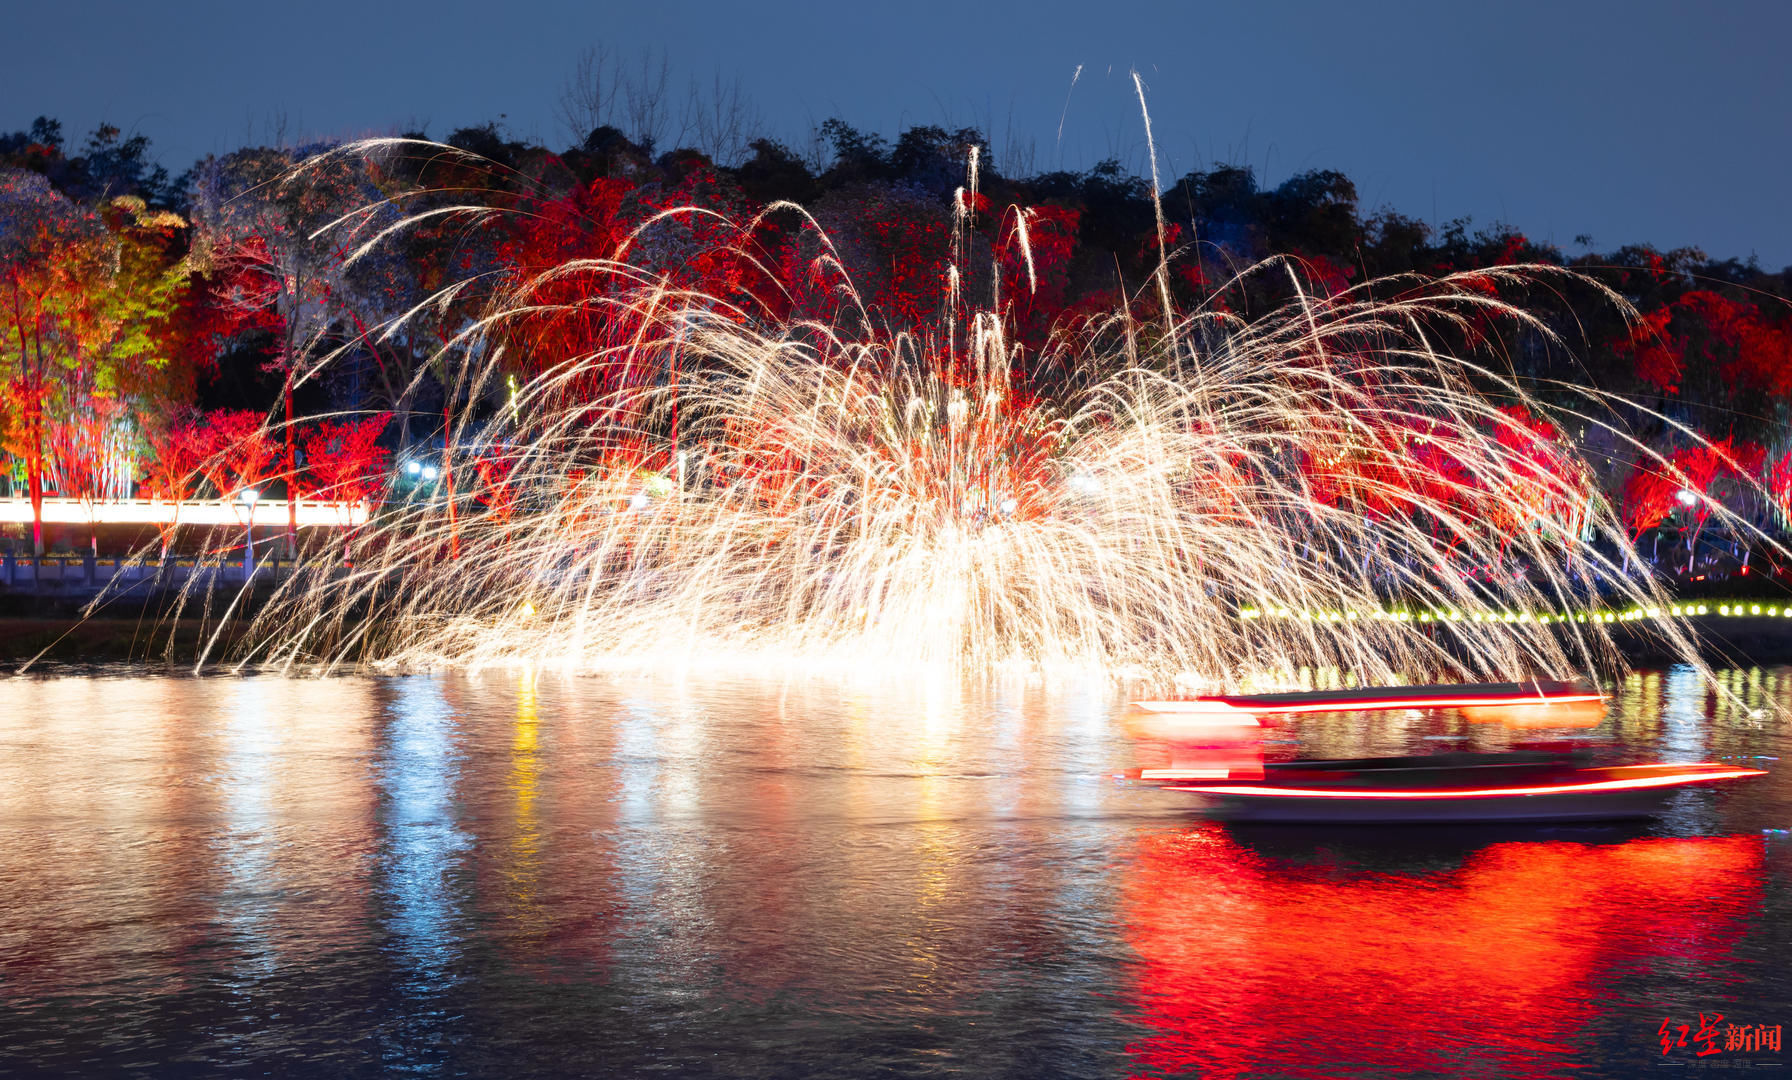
(430, 472)
(412, 467)
(637, 501)
(1686, 497)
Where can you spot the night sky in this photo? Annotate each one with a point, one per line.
(1626, 122)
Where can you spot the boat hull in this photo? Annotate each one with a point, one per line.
(1452, 788)
(1375, 698)
(1608, 806)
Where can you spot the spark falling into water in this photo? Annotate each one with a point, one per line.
(791, 491)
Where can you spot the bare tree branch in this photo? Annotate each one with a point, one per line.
(637, 98)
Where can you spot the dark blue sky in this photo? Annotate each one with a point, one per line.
(1627, 121)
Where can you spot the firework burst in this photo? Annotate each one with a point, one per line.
(698, 479)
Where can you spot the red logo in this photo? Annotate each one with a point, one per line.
(1713, 1036)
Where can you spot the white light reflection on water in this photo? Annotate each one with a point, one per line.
(663, 755)
(418, 771)
(247, 856)
(1686, 728)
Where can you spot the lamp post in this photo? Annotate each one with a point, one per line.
(247, 497)
(1687, 497)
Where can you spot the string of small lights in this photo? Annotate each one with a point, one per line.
(1743, 608)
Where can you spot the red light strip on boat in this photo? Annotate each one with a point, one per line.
(1629, 784)
(1200, 705)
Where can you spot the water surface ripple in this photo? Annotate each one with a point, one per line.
(516, 876)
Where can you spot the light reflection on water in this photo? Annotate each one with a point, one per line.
(523, 875)
(417, 776)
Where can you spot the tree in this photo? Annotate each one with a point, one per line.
(38, 227)
(347, 464)
(1648, 499)
(93, 459)
(605, 92)
(1779, 488)
(1653, 490)
(178, 448)
(1544, 476)
(240, 451)
(345, 459)
(83, 294)
(266, 222)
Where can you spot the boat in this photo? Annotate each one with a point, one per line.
(1453, 787)
(1372, 698)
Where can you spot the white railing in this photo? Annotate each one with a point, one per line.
(268, 512)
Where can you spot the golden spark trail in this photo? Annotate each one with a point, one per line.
(807, 494)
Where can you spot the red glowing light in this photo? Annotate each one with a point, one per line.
(1621, 784)
(1348, 704)
(1257, 965)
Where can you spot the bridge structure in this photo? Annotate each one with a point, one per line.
(262, 513)
(80, 578)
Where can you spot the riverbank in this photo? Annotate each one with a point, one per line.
(69, 640)
(65, 638)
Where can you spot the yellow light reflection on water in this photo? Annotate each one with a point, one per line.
(524, 869)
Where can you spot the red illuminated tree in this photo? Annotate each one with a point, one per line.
(347, 464)
(1648, 499)
(1546, 476)
(496, 489)
(241, 451)
(1729, 341)
(1654, 491)
(178, 449)
(1779, 487)
(345, 461)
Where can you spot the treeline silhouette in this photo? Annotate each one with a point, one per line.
(137, 304)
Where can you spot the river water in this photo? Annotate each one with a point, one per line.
(517, 876)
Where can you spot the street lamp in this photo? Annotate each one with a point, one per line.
(247, 497)
(1686, 497)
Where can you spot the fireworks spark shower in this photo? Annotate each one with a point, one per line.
(699, 480)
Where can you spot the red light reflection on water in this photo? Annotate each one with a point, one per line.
(1254, 964)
